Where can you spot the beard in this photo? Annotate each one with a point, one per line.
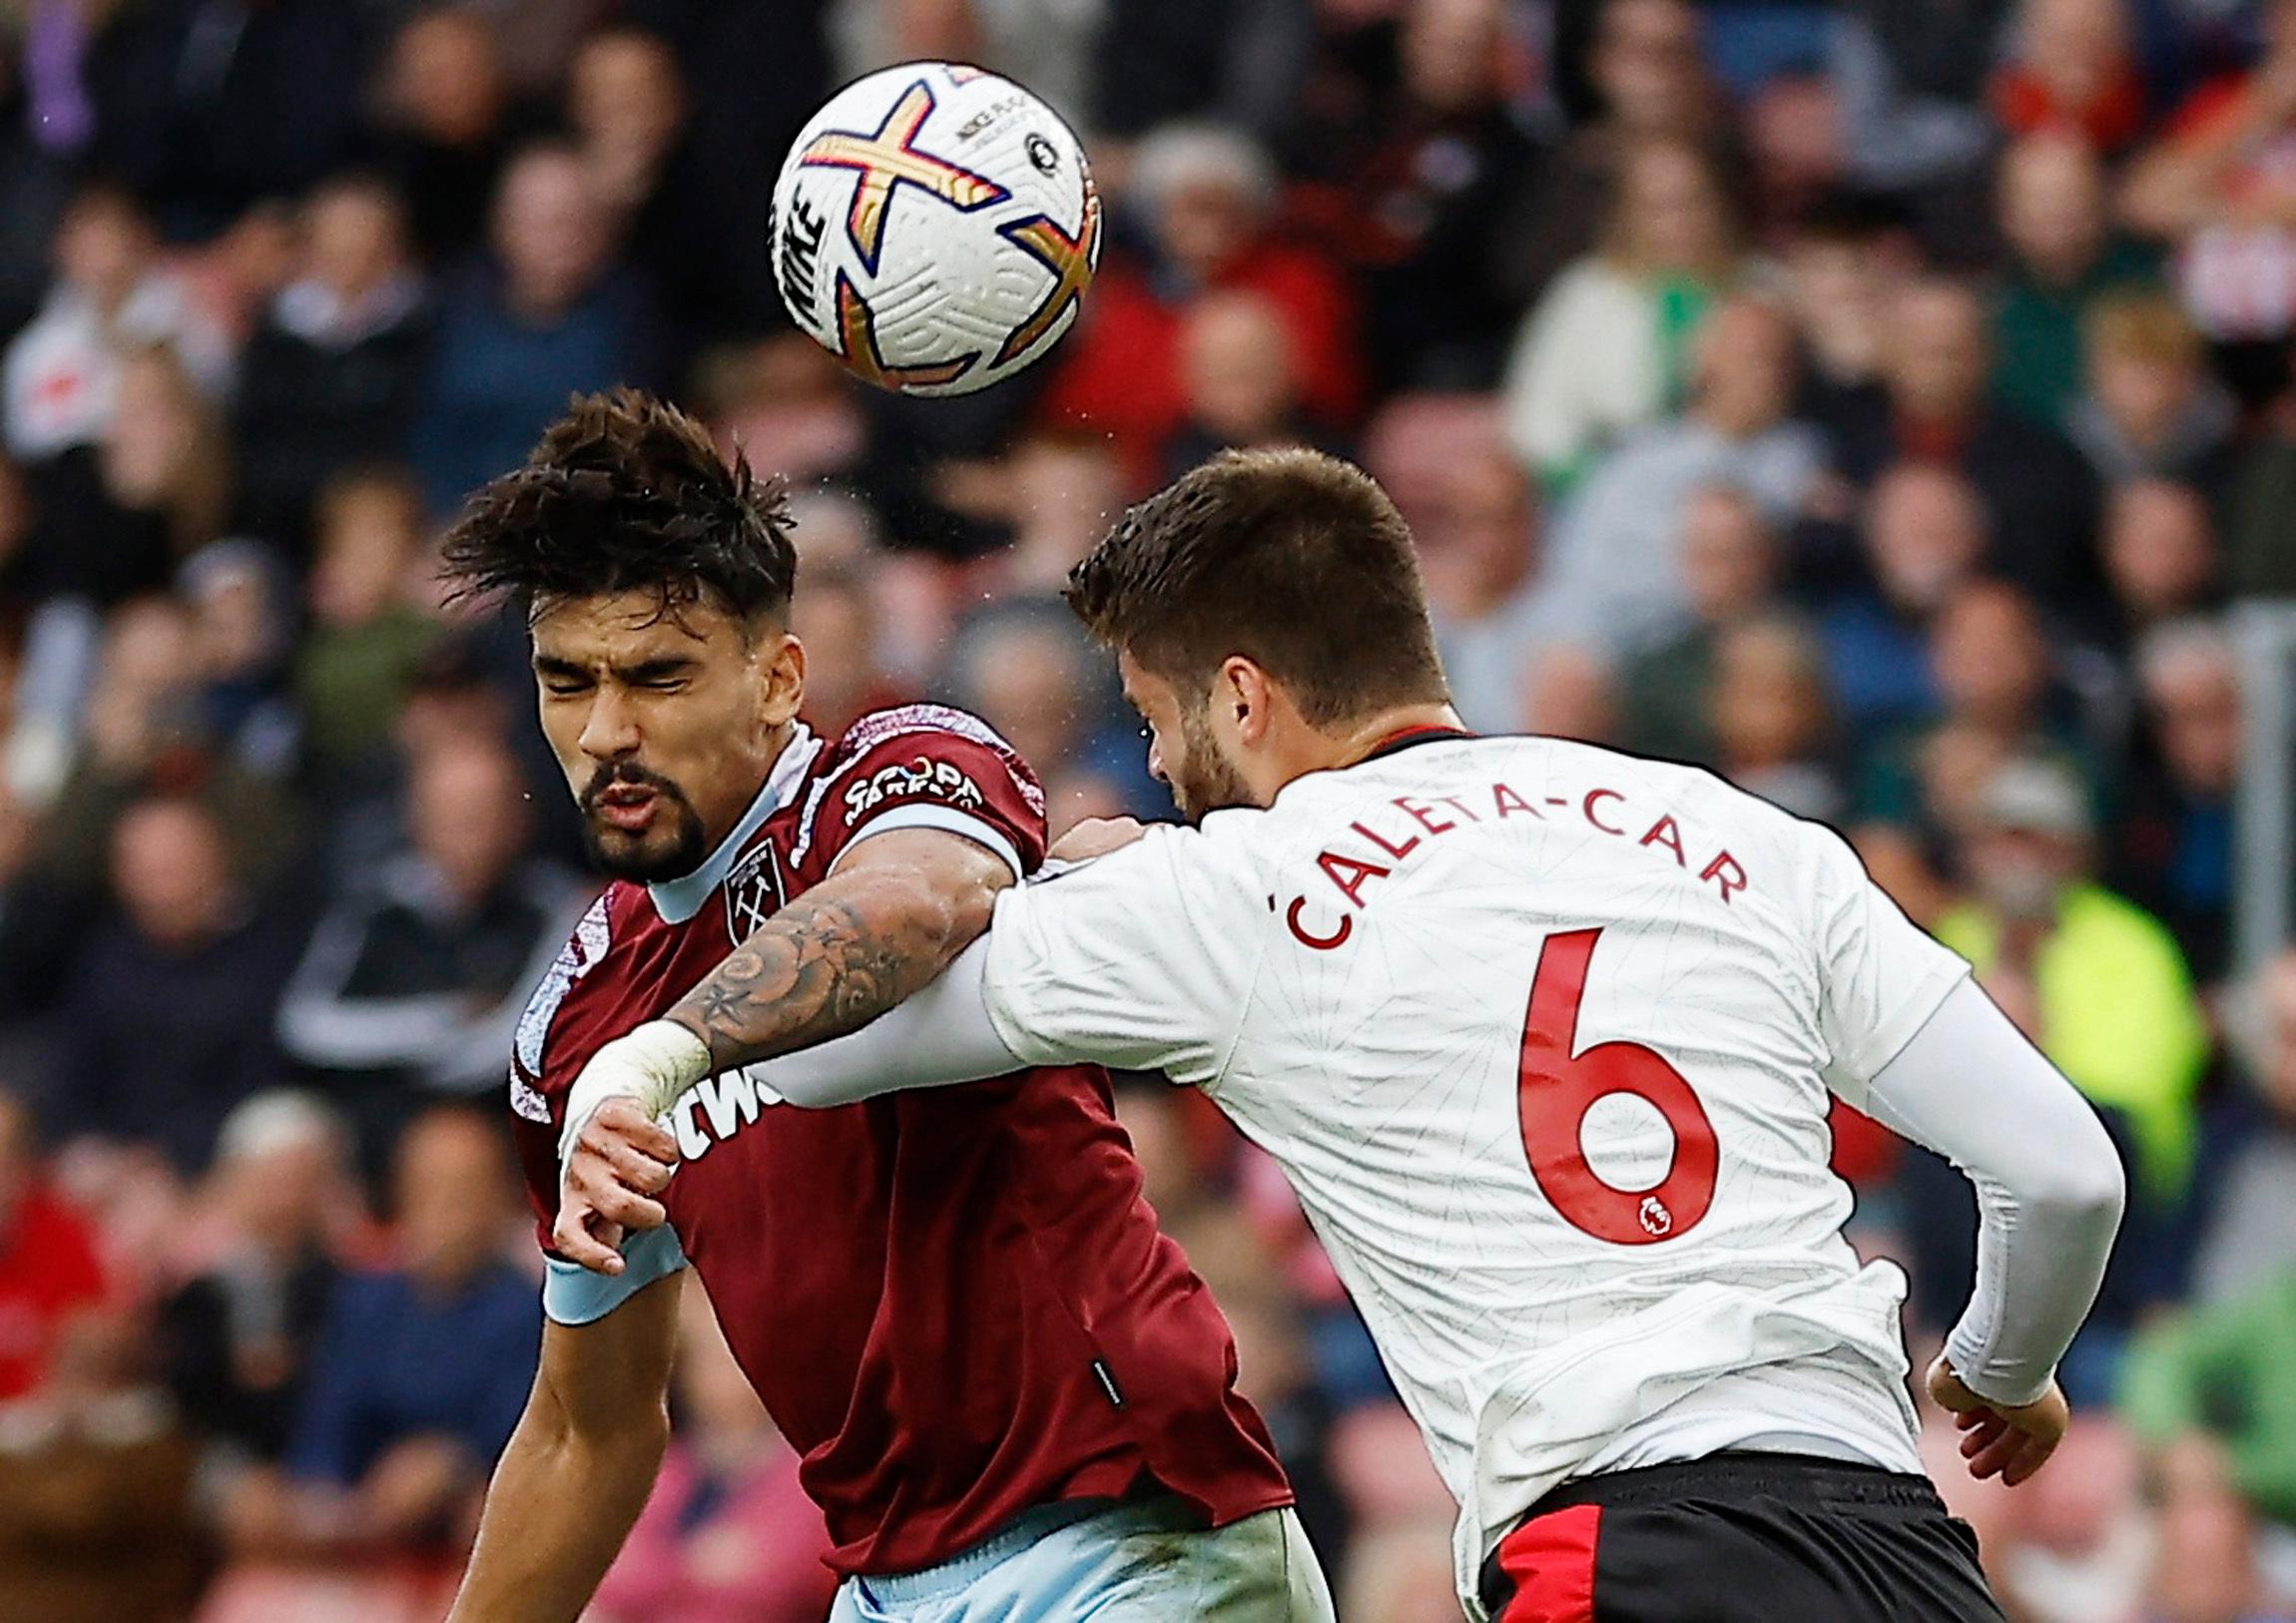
(669, 849)
(1208, 781)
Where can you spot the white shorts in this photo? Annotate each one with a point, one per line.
(1144, 1562)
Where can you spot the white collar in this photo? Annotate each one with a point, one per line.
(680, 899)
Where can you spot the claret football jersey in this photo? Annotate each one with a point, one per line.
(1545, 1037)
(954, 1304)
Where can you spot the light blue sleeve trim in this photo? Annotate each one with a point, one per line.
(945, 818)
(572, 1295)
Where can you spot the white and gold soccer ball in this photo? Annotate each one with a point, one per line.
(936, 227)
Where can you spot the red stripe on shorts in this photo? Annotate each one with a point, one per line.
(1551, 1561)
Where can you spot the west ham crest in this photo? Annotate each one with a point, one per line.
(753, 890)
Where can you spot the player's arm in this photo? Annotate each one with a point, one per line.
(884, 924)
(580, 1466)
(1917, 1045)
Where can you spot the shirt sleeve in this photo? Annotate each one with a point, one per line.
(1142, 959)
(2048, 1185)
(927, 766)
(1880, 976)
(545, 1060)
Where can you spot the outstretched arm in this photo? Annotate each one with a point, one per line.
(2050, 1189)
(896, 909)
(579, 1466)
(885, 922)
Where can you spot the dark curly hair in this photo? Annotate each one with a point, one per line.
(625, 493)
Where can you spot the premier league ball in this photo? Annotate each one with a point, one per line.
(936, 227)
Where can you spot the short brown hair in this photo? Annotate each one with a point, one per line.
(1295, 560)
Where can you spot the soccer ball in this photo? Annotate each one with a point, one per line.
(935, 226)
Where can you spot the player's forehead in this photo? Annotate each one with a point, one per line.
(631, 628)
(1142, 687)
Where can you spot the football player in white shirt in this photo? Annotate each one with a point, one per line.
(1545, 1037)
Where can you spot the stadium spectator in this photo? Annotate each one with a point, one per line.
(1569, 692)
(49, 1266)
(2116, 1009)
(1061, 494)
(218, 110)
(1768, 719)
(626, 100)
(2215, 185)
(1730, 570)
(1026, 670)
(785, 403)
(838, 619)
(1480, 547)
(1648, 79)
(109, 295)
(2214, 1387)
(115, 518)
(1162, 60)
(2160, 553)
(1843, 265)
(1911, 90)
(367, 635)
(1610, 344)
(2252, 1225)
(415, 980)
(2207, 1568)
(2175, 854)
(2038, 490)
(1617, 566)
(1206, 195)
(728, 1532)
(164, 1024)
(444, 126)
(1238, 379)
(331, 377)
(1924, 533)
(2152, 410)
(2073, 67)
(144, 732)
(547, 313)
(240, 640)
(96, 1479)
(237, 1336)
(2055, 215)
(1431, 200)
(2081, 1546)
(422, 1368)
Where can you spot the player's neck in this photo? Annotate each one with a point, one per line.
(1360, 740)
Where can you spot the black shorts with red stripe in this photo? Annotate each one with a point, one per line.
(1740, 1538)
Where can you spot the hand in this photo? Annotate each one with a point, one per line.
(619, 1161)
(1997, 1439)
(1096, 836)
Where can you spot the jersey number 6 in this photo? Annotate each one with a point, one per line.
(1558, 1085)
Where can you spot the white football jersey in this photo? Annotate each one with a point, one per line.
(1544, 1036)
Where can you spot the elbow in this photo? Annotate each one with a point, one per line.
(2089, 1185)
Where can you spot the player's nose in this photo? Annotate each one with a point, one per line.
(609, 731)
(1156, 762)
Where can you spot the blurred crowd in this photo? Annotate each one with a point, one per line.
(1883, 403)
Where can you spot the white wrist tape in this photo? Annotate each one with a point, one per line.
(651, 1066)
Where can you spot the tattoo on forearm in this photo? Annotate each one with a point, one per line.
(819, 968)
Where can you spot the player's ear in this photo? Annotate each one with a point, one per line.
(781, 665)
(1243, 690)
